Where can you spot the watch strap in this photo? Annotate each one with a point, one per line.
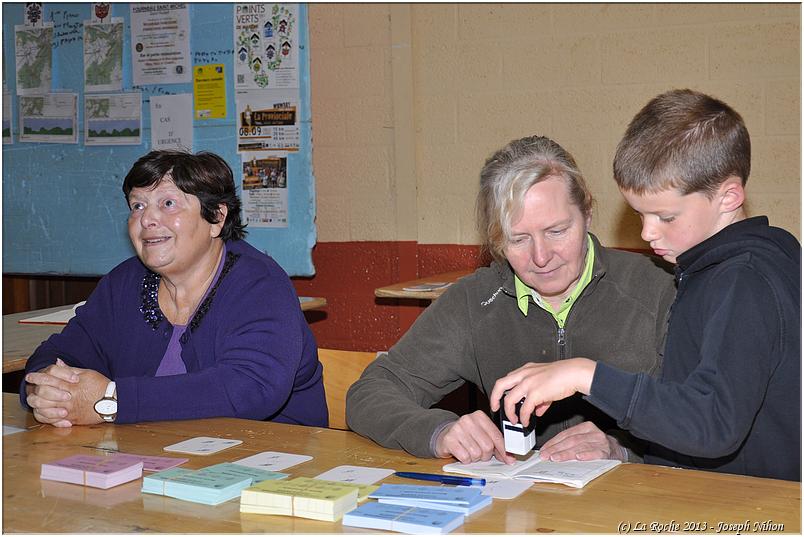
(110, 388)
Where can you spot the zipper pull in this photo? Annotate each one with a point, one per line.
(560, 335)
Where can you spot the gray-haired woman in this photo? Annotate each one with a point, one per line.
(552, 292)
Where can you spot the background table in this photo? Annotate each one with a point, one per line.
(630, 494)
(397, 290)
(20, 340)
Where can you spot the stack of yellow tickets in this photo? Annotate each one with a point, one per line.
(302, 497)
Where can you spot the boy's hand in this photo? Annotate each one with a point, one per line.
(472, 438)
(540, 385)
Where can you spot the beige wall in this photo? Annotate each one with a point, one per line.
(409, 100)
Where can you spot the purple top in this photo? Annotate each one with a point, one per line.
(172, 363)
(248, 351)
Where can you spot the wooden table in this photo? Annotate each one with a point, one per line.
(632, 494)
(20, 340)
(397, 290)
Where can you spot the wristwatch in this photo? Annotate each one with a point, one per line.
(106, 406)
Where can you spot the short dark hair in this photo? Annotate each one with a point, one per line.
(505, 179)
(204, 175)
(683, 139)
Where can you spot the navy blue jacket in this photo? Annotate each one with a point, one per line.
(251, 354)
(729, 398)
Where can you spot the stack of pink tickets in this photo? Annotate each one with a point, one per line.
(102, 472)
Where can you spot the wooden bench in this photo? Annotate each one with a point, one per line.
(341, 370)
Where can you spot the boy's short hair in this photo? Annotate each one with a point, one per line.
(683, 139)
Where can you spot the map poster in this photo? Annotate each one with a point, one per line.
(172, 122)
(209, 89)
(103, 56)
(265, 189)
(160, 43)
(7, 119)
(49, 118)
(33, 50)
(266, 46)
(113, 119)
(267, 120)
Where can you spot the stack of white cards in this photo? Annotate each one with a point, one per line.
(102, 472)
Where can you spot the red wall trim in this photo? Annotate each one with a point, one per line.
(347, 274)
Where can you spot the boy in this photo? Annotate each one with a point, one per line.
(729, 395)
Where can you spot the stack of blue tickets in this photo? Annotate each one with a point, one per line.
(465, 500)
(402, 518)
(211, 485)
(417, 508)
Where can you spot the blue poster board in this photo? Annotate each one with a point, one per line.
(63, 206)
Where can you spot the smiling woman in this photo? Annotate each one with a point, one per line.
(198, 324)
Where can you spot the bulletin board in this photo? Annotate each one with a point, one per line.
(63, 207)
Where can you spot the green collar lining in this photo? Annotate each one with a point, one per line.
(523, 291)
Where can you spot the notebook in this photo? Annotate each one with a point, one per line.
(571, 473)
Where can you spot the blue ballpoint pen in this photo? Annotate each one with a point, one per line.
(446, 479)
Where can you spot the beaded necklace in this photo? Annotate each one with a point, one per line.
(149, 294)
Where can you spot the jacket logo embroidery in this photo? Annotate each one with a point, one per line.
(492, 297)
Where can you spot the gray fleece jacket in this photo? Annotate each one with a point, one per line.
(476, 333)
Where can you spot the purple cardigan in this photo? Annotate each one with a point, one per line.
(248, 351)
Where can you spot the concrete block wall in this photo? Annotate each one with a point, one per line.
(484, 74)
(408, 100)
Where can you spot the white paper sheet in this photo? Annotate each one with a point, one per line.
(160, 43)
(172, 122)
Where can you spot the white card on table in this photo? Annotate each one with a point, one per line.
(505, 489)
(202, 445)
(358, 475)
(273, 460)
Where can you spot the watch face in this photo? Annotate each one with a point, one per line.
(106, 407)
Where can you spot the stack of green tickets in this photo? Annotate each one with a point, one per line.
(302, 497)
(211, 485)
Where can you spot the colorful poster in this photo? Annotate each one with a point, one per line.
(209, 89)
(34, 54)
(113, 119)
(160, 43)
(49, 118)
(265, 189)
(267, 120)
(266, 46)
(172, 122)
(103, 56)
